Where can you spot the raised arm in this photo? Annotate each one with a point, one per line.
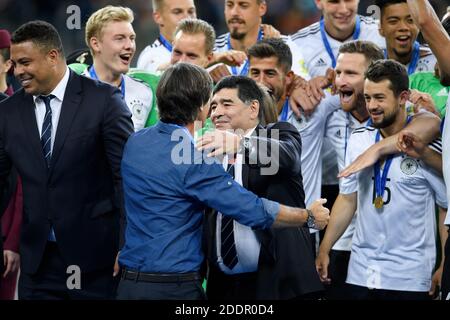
(432, 30)
(424, 125)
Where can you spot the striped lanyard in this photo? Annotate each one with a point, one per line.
(326, 43)
(414, 58)
(244, 70)
(93, 75)
(165, 42)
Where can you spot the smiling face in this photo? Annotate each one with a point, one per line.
(115, 47)
(350, 69)
(268, 72)
(172, 12)
(190, 48)
(230, 112)
(243, 16)
(35, 67)
(399, 29)
(382, 104)
(339, 15)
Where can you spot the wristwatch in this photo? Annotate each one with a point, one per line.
(310, 221)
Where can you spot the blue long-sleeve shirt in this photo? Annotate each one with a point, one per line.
(165, 200)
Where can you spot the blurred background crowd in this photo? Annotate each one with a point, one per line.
(288, 16)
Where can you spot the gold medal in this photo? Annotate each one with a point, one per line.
(378, 202)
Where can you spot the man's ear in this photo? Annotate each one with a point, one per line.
(157, 18)
(262, 8)
(254, 107)
(54, 55)
(404, 97)
(289, 78)
(380, 29)
(7, 66)
(319, 4)
(94, 44)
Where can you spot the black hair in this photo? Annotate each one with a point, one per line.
(182, 90)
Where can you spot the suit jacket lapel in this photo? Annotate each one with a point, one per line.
(29, 120)
(72, 98)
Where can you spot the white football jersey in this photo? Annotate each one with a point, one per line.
(138, 97)
(222, 46)
(316, 61)
(312, 130)
(340, 126)
(426, 63)
(394, 248)
(312, 49)
(446, 154)
(153, 56)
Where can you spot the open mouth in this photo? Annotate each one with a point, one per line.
(403, 40)
(346, 95)
(125, 58)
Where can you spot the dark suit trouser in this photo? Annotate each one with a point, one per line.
(231, 287)
(363, 293)
(446, 272)
(51, 281)
(338, 289)
(139, 290)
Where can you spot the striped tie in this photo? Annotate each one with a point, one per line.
(228, 246)
(46, 136)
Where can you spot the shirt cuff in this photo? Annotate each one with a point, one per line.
(272, 208)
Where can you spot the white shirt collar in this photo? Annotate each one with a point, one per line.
(60, 89)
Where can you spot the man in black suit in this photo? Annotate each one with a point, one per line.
(65, 135)
(2, 97)
(257, 264)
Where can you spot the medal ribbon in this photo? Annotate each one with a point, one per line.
(326, 43)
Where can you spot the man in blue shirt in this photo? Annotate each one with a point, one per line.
(168, 184)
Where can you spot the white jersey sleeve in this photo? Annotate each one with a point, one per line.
(153, 56)
(357, 144)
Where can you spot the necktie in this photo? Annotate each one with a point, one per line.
(228, 246)
(46, 135)
(46, 141)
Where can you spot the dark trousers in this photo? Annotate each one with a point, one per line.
(51, 281)
(338, 289)
(363, 293)
(139, 290)
(329, 192)
(445, 290)
(221, 286)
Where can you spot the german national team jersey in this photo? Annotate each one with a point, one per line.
(316, 58)
(154, 56)
(426, 62)
(316, 61)
(393, 247)
(223, 44)
(340, 126)
(139, 99)
(312, 130)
